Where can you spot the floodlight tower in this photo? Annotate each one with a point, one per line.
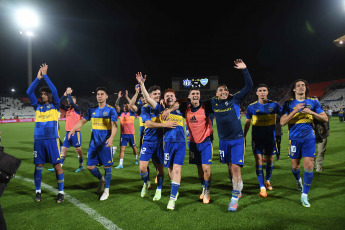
(28, 21)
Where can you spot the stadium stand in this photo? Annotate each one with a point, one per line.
(334, 99)
(11, 108)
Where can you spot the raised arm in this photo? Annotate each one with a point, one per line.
(62, 106)
(134, 99)
(146, 95)
(31, 90)
(117, 103)
(239, 64)
(56, 99)
(71, 102)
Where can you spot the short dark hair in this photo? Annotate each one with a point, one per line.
(190, 90)
(45, 89)
(154, 88)
(103, 89)
(261, 85)
(221, 86)
(293, 86)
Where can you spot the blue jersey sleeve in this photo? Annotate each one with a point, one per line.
(113, 115)
(131, 113)
(31, 93)
(278, 109)
(74, 106)
(145, 113)
(286, 109)
(56, 99)
(88, 115)
(238, 97)
(318, 108)
(62, 106)
(249, 113)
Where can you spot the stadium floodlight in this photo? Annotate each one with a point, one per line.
(28, 21)
(340, 42)
(13, 90)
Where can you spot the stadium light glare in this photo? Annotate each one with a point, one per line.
(27, 18)
(341, 42)
(29, 34)
(13, 90)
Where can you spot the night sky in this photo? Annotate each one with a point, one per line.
(104, 43)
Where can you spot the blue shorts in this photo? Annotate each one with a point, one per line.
(200, 153)
(259, 147)
(302, 148)
(152, 150)
(127, 138)
(232, 151)
(100, 155)
(174, 153)
(47, 151)
(75, 140)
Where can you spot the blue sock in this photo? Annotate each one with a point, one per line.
(38, 177)
(145, 176)
(107, 177)
(81, 160)
(260, 175)
(148, 171)
(202, 181)
(307, 179)
(160, 179)
(174, 190)
(269, 170)
(235, 194)
(62, 160)
(60, 180)
(207, 184)
(96, 173)
(296, 173)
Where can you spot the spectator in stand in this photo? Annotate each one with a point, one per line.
(329, 113)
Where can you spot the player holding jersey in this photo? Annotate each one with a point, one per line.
(46, 144)
(104, 128)
(299, 113)
(231, 142)
(263, 114)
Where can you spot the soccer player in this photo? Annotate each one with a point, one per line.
(127, 129)
(46, 145)
(299, 113)
(199, 132)
(153, 139)
(231, 142)
(263, 114)
(104, 127)
(72, 118)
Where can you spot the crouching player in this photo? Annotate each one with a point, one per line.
(104, 127)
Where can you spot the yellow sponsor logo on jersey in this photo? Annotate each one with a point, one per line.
(264, 119)
(50, 115)
(174, 117)
(222, 110)
(300, 118)
(101, 123)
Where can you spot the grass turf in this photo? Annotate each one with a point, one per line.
(281, 209)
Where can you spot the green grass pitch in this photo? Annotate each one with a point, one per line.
(280, 210)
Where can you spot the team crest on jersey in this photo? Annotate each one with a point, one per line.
(270, 109)
(178, 111)
(105, 113)
(226, 103)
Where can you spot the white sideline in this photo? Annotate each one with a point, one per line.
(108, 224)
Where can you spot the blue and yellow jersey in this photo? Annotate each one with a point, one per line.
(301, 125)
(101, 119)
(264, 118)
(177, 134)
(227, 112)
(46, 115)
(149, 114)
(141, 123)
